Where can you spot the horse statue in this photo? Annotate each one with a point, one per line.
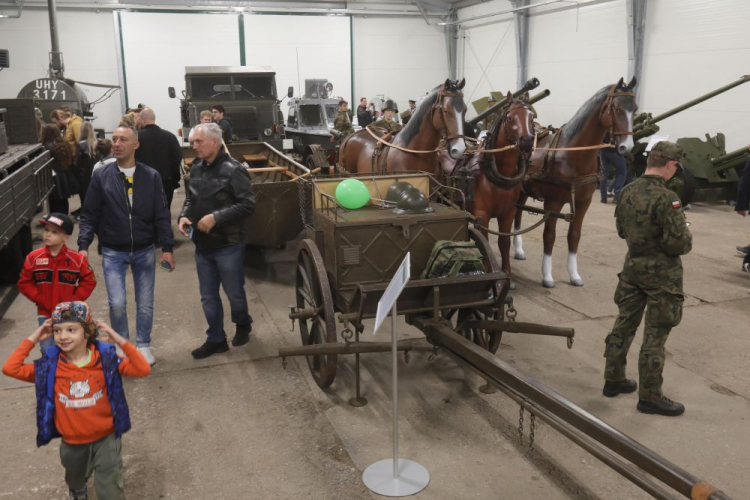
(565, 168)
(440, 114)
(498, 174)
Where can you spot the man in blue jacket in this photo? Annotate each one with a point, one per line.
(127, 209)
(741, 207)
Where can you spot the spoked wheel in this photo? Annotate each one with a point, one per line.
(314, 296)
(491, 339)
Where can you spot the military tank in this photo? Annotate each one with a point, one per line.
(710, 173)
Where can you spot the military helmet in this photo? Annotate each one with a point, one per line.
(395, 191)
(413, 201)
(390, 104)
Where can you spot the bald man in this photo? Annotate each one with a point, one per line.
(159, 150)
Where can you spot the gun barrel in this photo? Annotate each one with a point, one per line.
(731, 159)
(538, 97)
(699, 100)
(529, 85)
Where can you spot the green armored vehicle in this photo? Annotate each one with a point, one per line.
(710, 173)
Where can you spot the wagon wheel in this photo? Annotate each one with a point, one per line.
(490, 264)
(314, 294)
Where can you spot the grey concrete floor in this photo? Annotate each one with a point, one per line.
(239, 426)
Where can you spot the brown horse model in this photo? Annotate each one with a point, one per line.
(497, 184)
(439, 114)
(571, 176)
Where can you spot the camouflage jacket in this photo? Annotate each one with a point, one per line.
(651, 220)
(390, 126)
(342, 123)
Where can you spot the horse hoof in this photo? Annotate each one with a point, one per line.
(548, 284)
(520, 256)
(576, 282)
(512, 285)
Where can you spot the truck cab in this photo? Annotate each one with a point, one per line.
(248, 93)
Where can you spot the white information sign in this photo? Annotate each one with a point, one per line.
(397, 284)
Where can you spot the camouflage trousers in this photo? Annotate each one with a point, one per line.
(663, 311)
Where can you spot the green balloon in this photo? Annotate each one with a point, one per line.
(352, 194)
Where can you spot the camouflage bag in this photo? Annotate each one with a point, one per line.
(453, 258)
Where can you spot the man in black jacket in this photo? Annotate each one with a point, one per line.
(220, 118)
(219, 200)
(364, 115)
(160, 150)
(126, 208)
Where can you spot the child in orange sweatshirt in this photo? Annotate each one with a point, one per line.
(80, 396)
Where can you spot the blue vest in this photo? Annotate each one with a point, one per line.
(45, 370)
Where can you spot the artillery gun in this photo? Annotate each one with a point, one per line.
(487, 112)
(710, 173)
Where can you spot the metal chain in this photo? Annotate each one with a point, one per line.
(532, 427)
(511, 313)
(347, 334)
(520, 425)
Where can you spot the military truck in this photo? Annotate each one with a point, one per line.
(309, 120)
(709, 173)
(248, 94)
(25, 183)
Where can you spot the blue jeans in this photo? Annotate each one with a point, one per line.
(115, 265)
(613, 160)
(223, 266)
(45, 344)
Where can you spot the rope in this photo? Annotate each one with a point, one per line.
(405, 150)
(516, 233)
(579, 148)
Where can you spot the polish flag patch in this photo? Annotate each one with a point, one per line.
(676, 204)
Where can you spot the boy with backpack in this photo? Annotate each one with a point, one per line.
(80, 396)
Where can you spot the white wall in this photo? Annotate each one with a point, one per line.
(321, 42)
(158, 47)
(403, 58)
(88, 44)
(693, 47)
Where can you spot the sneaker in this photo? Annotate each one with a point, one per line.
(604, 200)
(242, 335)
(664, 406)
(78, 495)
(210, 348)
(746, 267)
(146, 353)
(742, 251)
(612, 389)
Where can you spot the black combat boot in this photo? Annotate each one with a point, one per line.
(612, 389)
(664, 406)
(210, 348)
(242, 335)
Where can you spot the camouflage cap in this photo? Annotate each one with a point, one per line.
(667, 150)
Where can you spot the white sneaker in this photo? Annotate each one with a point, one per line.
(146, 353)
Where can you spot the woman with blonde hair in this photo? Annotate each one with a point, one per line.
(65, 184)
(86, 157)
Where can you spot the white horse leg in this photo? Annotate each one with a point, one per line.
(547, 280)
(518, 252)
(575, 278)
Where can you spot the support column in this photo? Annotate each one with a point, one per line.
(521, 19)
(636, 25)
(451, 44)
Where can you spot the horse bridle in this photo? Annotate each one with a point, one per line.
(608, 107)
(488, 163)
(504, 121)
(439, 105)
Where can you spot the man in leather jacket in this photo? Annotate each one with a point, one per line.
(219, 200)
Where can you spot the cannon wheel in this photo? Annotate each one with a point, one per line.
(314, 293)
(481, 337)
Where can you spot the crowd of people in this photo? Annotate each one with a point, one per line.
(126, 188)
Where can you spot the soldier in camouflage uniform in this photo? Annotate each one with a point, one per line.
(341, 123)
(406, 115)
(651, 220)
(387, 122)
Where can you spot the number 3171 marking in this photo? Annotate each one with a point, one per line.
(49, 94)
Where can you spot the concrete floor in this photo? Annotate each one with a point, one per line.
(238, 426)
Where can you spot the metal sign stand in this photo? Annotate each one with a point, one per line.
(394, 477)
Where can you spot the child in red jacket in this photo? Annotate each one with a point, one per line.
(54, 273)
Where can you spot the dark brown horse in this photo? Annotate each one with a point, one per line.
(497, 184)
(440, 114)
(571, 177)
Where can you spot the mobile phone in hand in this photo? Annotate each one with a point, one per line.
(165, 266)
(190, 231)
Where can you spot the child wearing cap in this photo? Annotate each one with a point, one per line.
(55, 273)
(80, 396)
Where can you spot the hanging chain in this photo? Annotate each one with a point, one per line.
(511, 313)
(520, 425)
(434, 354)
(532, 427)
